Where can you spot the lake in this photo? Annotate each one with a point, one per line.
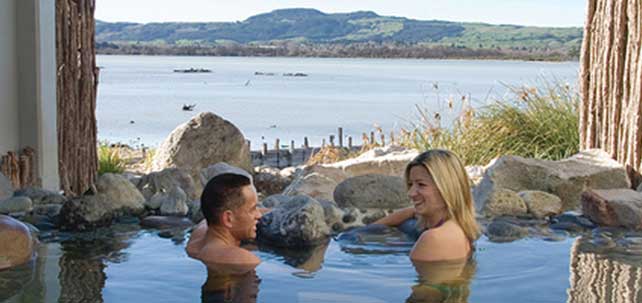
(140, 98)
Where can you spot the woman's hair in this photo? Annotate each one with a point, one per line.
(452, 182)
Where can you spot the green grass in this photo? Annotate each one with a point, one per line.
(537, 122)
(109, 160)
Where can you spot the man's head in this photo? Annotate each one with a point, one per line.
(229, 201)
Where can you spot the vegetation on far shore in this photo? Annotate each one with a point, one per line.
(311, 33)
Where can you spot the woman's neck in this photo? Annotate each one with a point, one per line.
(435, 219)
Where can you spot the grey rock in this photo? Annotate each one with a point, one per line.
(16, 205)
(195, 214)
(41, 196)
(299, 222)
(274, 200)
(162, 222)
(504, 202)
(204, 140)
(504, 231)
(115, 197)
(175, 204)
(566, 178)
(389, 161)
(333, 216)
(156, 200)
(269, 181)
(316, 181)
(6, 189)
(372, 191)
(541, 204)
(222, 168)
(49, 210)
(615, 207)
(574, 218)
(16, 242)
(166, 180)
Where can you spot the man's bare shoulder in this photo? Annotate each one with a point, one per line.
(219, 254)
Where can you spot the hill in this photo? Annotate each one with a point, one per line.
(288, 28)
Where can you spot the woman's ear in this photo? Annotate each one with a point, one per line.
(227, 218)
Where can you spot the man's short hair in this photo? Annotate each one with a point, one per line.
(222, 193)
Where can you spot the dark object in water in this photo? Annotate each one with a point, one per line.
(192, 70)
(295, 75)
(188, 107)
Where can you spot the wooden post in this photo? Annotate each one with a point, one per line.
(306, 145)
(14, 169)
(5, 168)
(392, 137)
(277, 147)
(340, 136)
(372, 138)
(383, 139)
(350, 142)
(264, 150)
(332, 140)
(364, 138)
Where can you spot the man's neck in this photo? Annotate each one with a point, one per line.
(222, 235)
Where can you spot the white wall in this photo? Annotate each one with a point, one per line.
(9, 139)
(28, 83)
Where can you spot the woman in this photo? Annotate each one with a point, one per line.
(439, 189)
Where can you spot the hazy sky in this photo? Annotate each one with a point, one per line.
(523, 12)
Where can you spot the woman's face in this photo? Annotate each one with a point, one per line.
(423, 192)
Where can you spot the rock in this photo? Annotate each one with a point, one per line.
(41, 196)
(574, 218)
(616, 207)
(16, 205)
(204, 140)
(475, 173)
(162, 222)
(133, 178)
(333, 216)
(167, 179)
(268, 180)
(504, 231)
(222, 168)
(314, 185)
(49, 210)
(115, 197)
(156, 200)
(175, 204)
(370, 218)
(299, 222)
(372, 191)
(6, 189)
(274, 200)
(195, 214)
(541, 204)
(566, 178)
(16, 242)
(389, 161)
(504, 202)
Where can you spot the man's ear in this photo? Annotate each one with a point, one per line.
(227, 217)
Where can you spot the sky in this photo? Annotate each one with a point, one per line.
(521, 12)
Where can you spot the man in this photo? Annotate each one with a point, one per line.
(229, 205)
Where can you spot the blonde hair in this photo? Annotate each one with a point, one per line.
(453, 184)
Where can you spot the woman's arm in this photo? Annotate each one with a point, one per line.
(397, 217)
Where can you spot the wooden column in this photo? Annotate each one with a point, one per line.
(77, 80)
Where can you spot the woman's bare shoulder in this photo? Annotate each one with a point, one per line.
(447, 242)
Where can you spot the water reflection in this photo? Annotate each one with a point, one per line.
(444, 281)
(227, 283)
(308, 259)
(606, 267)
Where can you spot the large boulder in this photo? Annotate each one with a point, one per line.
(566, 178)
(41, 196)
(372, 191)
(115, 196)
(389, 160)
(6, 189)
(205, 139)
(166, 180)
(270, 181)
(16, 242)
(316, 181)
(298, 222)
(616, 207)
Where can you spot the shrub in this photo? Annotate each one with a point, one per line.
(109, 160)
(535, 122)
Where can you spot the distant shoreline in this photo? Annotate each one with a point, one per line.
(335, 51)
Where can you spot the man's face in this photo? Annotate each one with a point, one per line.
(247, 216)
